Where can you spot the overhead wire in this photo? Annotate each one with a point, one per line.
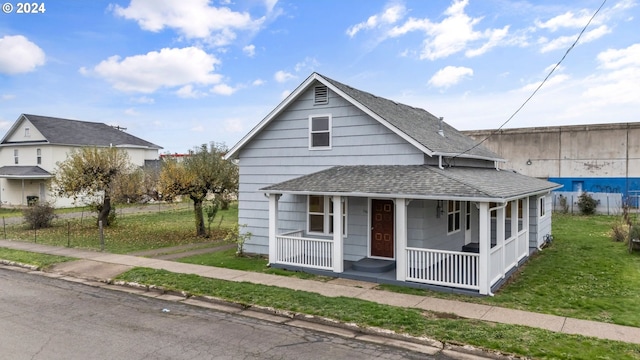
(540, 85)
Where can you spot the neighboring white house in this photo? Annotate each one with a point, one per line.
(416, 201)
(34, 144)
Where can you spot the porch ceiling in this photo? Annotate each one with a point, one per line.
(416, 181)
(24, 172)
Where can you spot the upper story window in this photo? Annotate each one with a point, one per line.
(27, 132)
(39, 156)
(320, 132)
(15, 156)
(320, 95)
(453, 216)
(542, 203)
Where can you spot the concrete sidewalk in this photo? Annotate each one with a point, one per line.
(102, 266)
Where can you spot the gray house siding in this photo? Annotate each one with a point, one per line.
(539, 227)
(281, 152)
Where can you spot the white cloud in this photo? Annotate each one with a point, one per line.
(143, 100)
(614, 59)
(258, 82)
(233, 126)
(188, 92)
(307, 65)
(19, 55)
(566, 20)
(563, 42)
(283, 76)
(198, 128)
(551, 82)
(619, 83)
(6, 97)
(284, 94)
(390, 15)
(131, 112)
(154, 70)
(195, 19)
(223, 89)
(449, 76)
(455, 33)
(250, 50)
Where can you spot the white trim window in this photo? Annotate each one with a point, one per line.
(542, 202)
(39, 156)
(319, 132)
(453, 216)
(320, 215)
(27, 132)
(16, 158)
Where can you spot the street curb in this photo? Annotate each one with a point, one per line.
(373, 335)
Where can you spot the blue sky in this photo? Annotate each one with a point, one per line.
(186, 72)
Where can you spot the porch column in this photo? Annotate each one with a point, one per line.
(273, 227)
(484, 243)
(500, 235)
(401, 239)
(514, 227)
(338, 240)
(525, 220)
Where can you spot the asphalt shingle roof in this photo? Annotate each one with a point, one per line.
(83, 133)
(416, 180)
(417, 123)
(27, 171)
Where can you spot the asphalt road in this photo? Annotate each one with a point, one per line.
(45, 318)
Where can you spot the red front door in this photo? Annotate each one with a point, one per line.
(382, 233)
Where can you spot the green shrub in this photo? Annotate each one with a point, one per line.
(39, 215)
(619, 231)
(587, 204)
(634, 231)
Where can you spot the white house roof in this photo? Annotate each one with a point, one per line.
(416, 182)
(417, 126)
(60, 131)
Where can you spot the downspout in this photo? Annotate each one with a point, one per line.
(440, 162)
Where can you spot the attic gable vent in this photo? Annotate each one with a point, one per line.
(321, 95)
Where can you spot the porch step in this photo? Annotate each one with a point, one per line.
(373, 265)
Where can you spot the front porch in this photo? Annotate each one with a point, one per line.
(477, 267)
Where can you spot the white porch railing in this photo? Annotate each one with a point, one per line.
(293, 249)
(441, 267)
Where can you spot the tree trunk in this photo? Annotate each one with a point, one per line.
(104, 212)
(197, 209)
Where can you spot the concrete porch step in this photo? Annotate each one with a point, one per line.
(373, 265)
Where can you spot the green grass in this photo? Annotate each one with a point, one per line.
(42, 261)
(513, 339)
(132, 232)
(583, 274)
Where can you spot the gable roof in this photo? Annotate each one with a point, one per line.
(60, 131)
(416, 182)
(417, 126)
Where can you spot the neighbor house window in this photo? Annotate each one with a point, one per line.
(321, 215)
(27, 132)
(453, 216)
(320, 132)
(15, 156)
(520, 215)
(541, 204)
(39, 156)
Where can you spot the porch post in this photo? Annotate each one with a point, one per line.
(525, 220)
(514, 227)
(484, 243)
(338, 242)
(273, 227)
(401, 239)
(500, 235)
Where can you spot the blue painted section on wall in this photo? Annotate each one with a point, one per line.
(625, 186)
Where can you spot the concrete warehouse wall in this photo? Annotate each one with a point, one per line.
(593, 158)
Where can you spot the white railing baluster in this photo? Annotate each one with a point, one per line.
(441, 267)
(294, 249)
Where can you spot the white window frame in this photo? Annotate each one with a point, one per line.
(311, 131)
(327, 216)
(542, 203)
(457, 211)
(27, 132)
(16, 156)
(39, 156)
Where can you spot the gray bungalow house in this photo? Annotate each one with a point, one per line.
(341, 182)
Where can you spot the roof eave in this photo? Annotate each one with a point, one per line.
(468, 156)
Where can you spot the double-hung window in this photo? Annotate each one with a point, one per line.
(453, 216)
(542, 203)
(320, 132)
(39, 156)
(320, 220)
(16, 158)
